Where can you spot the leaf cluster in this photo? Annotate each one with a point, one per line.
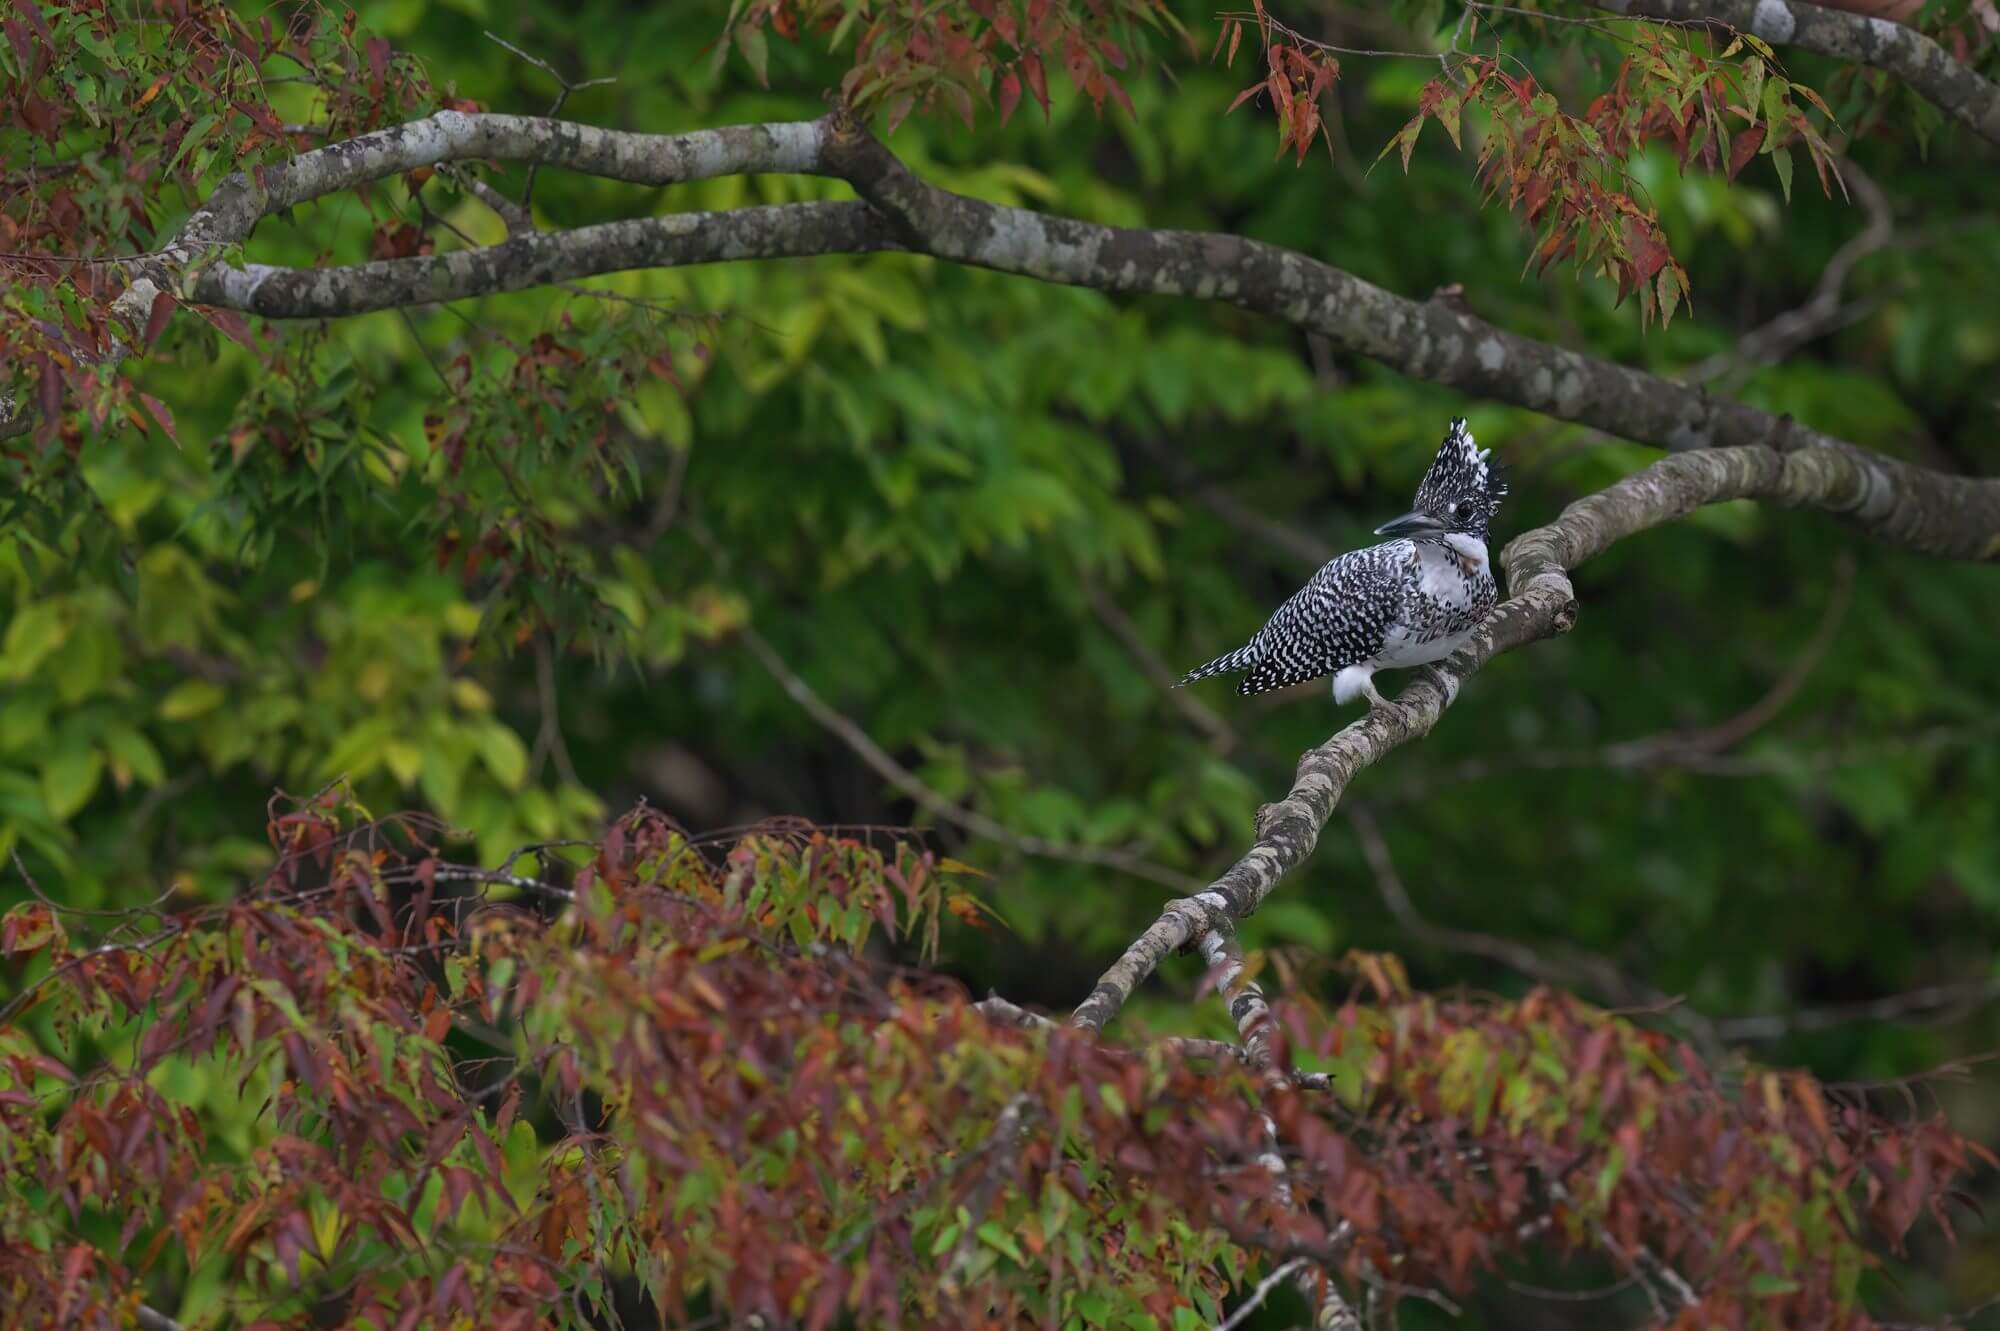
(676, 1076)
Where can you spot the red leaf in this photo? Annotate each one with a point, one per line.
(163, 417)
(1010, 94)
(231, 324)
(378, 60)
(1652, 255)
(1245, 96)
(1118, 95)
(17, 36)
(33, 13)
(156, 318)
(1038, 83)
(1743, 147)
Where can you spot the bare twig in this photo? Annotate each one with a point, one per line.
(667, 504)
(1823, 310)
(549, 735)
(516, 219)
(565, 88)
(1728, 734)
(1222, 736)
(1255, 1300)
(1932, 1002)
(923, 796)
(462, 873)
(1598, 972)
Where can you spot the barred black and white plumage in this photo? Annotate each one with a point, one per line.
(1405, 602)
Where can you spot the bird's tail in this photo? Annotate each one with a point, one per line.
(1241, 659)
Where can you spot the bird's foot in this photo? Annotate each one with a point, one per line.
(1444, 681)
(1378, 703)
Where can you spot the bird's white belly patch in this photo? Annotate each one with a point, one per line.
(1402, 649)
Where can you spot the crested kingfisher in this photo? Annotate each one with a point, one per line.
(1408, 601)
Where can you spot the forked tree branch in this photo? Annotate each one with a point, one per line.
(1541, 603)
(1927, 68)
(1436, 341)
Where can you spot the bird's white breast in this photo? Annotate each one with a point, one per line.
(1445, 569)
(1444, 587)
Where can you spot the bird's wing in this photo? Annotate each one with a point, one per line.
(1341, 616)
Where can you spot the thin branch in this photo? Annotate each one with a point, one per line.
(461, 873)
(1823, 311)
(1222, 736)
(1728, 734)
(923, 796)
(564, 89)
(667, 504)
(516, 219)
(995, 1008)
(1256, 1298)
(1932, 1001)
(24, 999)
(549, 736)
(1305, 548)
(1597, 972)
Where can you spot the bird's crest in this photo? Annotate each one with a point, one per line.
(1465, 475)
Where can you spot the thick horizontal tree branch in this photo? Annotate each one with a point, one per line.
(1436, 341)
(1541, 603)
(1927, 68)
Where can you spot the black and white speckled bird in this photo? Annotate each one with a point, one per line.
(1405, 602)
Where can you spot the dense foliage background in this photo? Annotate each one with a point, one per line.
(494, 561)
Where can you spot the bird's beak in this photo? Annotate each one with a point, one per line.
(1411, 524)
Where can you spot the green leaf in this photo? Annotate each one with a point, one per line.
(1447, 115)
(36, 631)
(1782, 159)
(189, 699)
(406, 761)
(1765, 1285)
(504, 755)
(192, 139)
(993, 1236)
(70, 779)
(1607, 1177)
(359, 751)
(128, 746)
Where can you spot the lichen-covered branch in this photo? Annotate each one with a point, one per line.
(1436, 341)
(1541, 603)
(1927, 68)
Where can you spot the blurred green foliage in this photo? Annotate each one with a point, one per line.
(489, 559)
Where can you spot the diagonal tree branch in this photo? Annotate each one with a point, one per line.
(1541, 603)
(1436, 340)
(1919, 62)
